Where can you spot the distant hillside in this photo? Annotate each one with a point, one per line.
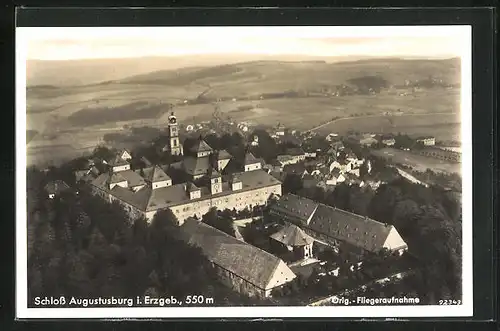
(92, 71)
(263, 77)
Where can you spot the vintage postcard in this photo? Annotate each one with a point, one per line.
(196, 172)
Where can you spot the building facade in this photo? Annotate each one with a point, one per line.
(174, 146)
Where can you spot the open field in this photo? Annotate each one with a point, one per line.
(79, 116)
(418, 162)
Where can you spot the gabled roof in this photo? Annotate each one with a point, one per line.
(292, 235)
(248, 262)
(200, 146)
(251, 159)
(297, 168)
(155, 174)
(117, 161)
(295, 151)
(190, 187)
(196, 165)
(214, 173)
(116, 177)
(223, 155)
(294, 207)
(56, 187)
(354, 229)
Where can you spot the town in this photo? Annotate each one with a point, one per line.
(250, 214)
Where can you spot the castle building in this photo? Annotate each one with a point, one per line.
(143, 192)
(245, 268)
(174, 147)
(337, 227)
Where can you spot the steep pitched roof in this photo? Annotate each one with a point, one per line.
(223, 155)
(116, 177)
(354, 229)
(196, 165)
(155, 174)
(296, 168)
(294, 207)
(238, 257)
(292, 235)
(295, 151)
(251, 159)
(214, 173)
(191, 187)
(201, 146)
(117, 161)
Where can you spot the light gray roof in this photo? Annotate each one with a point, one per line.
(155, 174)
(147, 199)
(196, 165)
(357, 230)
(224, 155)
(200, 146)
(238, 257)
(117, 161)
(251, 159)
(292, 235)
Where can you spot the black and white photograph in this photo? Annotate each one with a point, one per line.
(201, 172)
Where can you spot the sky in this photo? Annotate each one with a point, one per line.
(48, 43)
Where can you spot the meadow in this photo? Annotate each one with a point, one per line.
(418, 162)
(79, 116)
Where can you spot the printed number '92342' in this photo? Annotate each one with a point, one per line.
(450, 302)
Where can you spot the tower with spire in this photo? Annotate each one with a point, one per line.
(174, 145)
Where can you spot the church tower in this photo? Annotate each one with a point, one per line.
(174, 144)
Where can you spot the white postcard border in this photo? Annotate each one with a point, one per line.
(464, 310)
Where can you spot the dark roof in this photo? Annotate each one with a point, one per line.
(244, 260)
(292, 235)
(56, 187)
(191, 187)
(295, 151)
(354, 229)
(294, 207)
(116, 177)
(117, 161)
(224, 155)
(335, 173)
(297, 168)
(147, 199)
(196, 165)
(251, 159)
(155, 174)
(201, 146)
(357, 230)
(214, 173)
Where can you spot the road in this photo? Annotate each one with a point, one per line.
(369, 116)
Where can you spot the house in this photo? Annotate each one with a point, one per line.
(125, 154)
(387, 140)
(286, 159)
(239, 265)
(295, 240)
(255, 141)
(337, 227)
(335, 177)
(297, 153)
(252, 163)
(295, 169)
(367, 141)
(55, 188)
(427, 141)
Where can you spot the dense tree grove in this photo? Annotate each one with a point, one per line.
(428, 219)
(80, 245)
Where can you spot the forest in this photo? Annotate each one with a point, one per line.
(82, 246)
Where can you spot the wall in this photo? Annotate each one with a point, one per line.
(121, 168)
(221, 164)
(163, 183)
(255, 166)
(238, 284)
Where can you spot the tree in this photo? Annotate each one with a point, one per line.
(292, 184)
(103, 153)
(216, 220)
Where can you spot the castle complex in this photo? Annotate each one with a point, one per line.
(143, 192)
